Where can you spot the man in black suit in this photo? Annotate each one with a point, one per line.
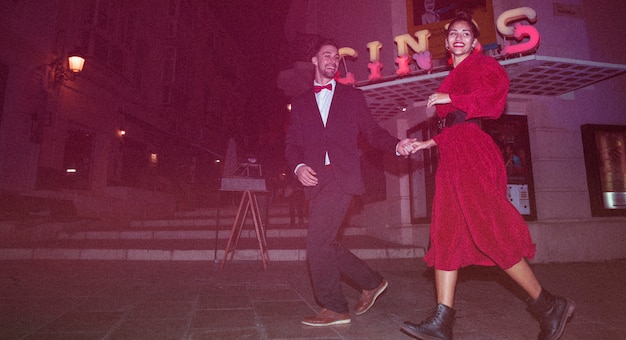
(321, 147)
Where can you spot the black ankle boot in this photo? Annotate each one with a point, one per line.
(552, 313)
(437, 327)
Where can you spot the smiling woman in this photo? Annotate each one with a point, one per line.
(473, 222)
(461, 40)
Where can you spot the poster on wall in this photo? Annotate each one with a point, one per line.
(510, 132)
(604, 148)
(433, 15)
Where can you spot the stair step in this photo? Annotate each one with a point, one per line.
(223, 222)
(199, 235)
(352, 242)
(274, 211)
(279, 249)
(184, 233)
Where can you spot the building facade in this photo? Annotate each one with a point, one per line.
(137, 131)
(549, 117)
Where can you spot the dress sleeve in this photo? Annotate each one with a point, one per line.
(478, 87)
(487, 91)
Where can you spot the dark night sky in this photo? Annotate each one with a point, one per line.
(258, 26)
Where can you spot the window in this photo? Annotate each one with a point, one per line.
(77, 159)
(605, 159)
(113, 34)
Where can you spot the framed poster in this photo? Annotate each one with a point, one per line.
(604, 147)
(433, 15)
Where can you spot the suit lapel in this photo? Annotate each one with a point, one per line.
(335, 105)
(315, 116)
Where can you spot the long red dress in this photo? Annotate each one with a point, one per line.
(473, 221)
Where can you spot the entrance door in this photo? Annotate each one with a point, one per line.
(422, 167)
(77, 159)
(510, 133)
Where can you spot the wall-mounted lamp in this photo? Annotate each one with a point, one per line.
(74, 67)
(76, 63)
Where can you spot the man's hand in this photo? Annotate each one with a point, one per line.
(307, 176)
(406, 146)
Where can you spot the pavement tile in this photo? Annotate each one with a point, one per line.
(83, 322)
(64, 336)
(282, 309)
(157, 310)
(274, 293)
(223, 318)
(249, 333)
(224, 301)
(291, 328)
(150, 329)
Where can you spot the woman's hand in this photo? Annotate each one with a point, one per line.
(438, 98)
(423, 145)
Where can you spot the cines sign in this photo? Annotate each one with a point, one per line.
(419, 44)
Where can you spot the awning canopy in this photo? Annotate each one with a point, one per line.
(529, 75)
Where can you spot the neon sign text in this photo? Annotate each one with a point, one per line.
(418, 44)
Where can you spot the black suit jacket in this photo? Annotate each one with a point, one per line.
(307, 139)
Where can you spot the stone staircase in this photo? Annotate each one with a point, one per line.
(199, 235)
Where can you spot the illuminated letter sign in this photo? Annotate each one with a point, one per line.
(405, 41)
(519, 31)
(347, 52)
(375, 66)
(422, 55)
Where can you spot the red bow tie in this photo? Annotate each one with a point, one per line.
(318, 88)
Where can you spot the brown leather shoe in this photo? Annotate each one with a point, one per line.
(327, 318)
(368, 297)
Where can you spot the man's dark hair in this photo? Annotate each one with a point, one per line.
(323, 42)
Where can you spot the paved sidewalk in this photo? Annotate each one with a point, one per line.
(197, 300)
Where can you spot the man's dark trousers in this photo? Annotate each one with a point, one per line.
(327, 258)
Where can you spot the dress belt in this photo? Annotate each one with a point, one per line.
(454, 118)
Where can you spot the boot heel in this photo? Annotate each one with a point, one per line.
(552, 312)
(437, 327)
(570, 308)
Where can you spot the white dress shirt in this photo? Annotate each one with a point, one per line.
(324, 98)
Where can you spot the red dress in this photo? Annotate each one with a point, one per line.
(473, 221)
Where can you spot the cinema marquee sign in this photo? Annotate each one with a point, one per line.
(508, 25)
